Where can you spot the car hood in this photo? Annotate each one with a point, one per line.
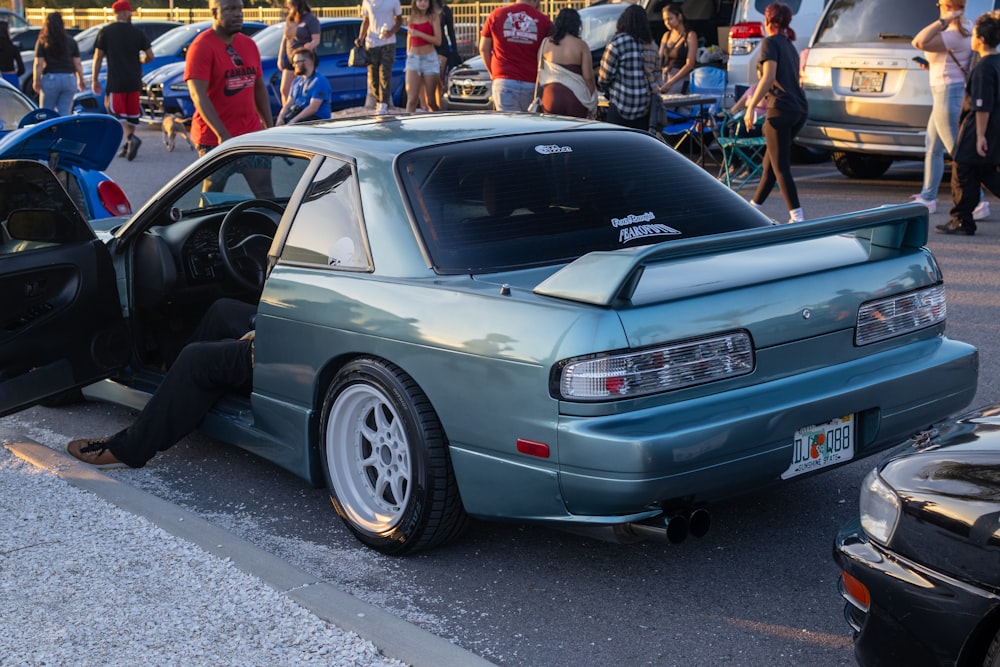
(87, 141)
(948, 482)
(168, 72)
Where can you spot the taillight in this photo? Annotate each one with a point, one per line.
(113, 198)
(677, 365)
(744, 37)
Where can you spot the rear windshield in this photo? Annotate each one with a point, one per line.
(883, 20)
(534, 200)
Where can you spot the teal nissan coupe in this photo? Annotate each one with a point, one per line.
(504, 317)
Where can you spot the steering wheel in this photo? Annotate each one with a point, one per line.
(248, 257)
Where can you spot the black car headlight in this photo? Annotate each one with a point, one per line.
(879, 507)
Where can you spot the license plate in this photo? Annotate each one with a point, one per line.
(815, 447)
(867, 81)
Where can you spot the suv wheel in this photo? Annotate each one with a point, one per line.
(859, 165)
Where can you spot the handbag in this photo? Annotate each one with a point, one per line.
(536, 103)
(358, 57)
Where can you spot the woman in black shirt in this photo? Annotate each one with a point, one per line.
(57, 64)
(11, 65)
(786, 108)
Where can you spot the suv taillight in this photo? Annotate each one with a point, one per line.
(744, 37)
(113, 198)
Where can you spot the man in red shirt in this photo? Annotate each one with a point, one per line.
(223, 75)
(509, 45)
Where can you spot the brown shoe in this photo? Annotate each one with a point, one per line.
(94, 451)
(956, 227)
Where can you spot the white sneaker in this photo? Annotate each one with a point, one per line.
(982, 211)
(383, 109)
(930, 204)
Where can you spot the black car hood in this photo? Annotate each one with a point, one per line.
(948, 483)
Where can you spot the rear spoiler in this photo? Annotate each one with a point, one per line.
(605, 277)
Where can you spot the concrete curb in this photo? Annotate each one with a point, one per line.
(394, 636)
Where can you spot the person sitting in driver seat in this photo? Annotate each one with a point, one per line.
(216, 360)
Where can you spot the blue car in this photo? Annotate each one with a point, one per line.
(76, 149)
(170, 47)
(165, 92)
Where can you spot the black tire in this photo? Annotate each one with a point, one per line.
(992, 658)
(859, 165)
(386, 461)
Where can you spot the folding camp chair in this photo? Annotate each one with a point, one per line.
(689, 120)
(742, 157)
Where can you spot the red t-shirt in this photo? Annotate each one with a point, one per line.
(517, 30)
(230, 72)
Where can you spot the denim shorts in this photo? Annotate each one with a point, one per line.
(426, 64)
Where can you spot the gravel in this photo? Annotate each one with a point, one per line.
(84, 582)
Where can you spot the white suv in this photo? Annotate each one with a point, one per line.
(868, 100)
(747, 31)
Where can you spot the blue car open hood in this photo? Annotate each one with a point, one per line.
(86, 141)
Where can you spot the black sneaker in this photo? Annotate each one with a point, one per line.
(123, 149)
(133, 147)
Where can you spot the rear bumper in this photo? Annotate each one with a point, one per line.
(902, 143)
(909, 604)
(611, 469)
(730, 443)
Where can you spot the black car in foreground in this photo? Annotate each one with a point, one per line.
(920, 568)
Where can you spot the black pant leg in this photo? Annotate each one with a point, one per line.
(203, 373)
(965, 179)
(779, 132)
(225, 318)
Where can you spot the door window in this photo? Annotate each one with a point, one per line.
(327, 227)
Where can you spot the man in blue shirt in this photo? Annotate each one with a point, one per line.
(309, 98)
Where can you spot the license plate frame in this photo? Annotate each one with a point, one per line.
(822, 445)
(868, 81)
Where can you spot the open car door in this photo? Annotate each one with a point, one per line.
(61, 324)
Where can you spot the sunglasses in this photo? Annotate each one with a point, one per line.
(235, 57)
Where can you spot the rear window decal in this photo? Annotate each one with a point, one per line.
(641, 226)
(552, 149)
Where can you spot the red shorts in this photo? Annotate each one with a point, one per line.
(125, 106)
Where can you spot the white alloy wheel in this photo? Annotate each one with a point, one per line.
(367, 446)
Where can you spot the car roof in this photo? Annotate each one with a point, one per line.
(401, 133)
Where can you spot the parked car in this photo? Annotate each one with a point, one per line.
(164, 89)
(582, 352)
(170, 47)
(747, 32)
(85, 40)
(868, 100)
(920, 568)
(24, 39)
(470, 87)
(77, 149)
(14, 20)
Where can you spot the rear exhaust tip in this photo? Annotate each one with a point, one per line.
(699, 522)
(672, 529)
(677, 528)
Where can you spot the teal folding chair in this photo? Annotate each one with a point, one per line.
(742, 157)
